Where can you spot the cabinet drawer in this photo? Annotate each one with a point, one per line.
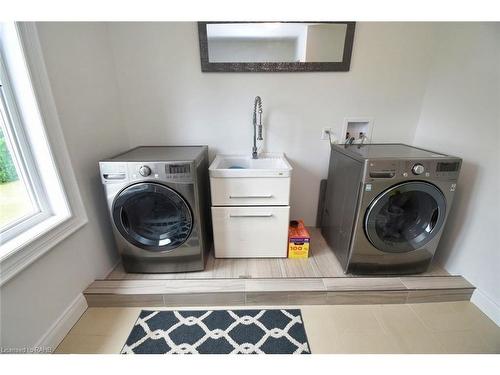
(250, 232)
(250, 191)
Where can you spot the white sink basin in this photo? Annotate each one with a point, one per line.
(267, 165)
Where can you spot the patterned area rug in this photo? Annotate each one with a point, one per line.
(218, 332)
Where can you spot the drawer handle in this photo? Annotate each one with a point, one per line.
(250, 196)
(257, 215)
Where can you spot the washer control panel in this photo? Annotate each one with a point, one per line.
(384, 169)
(120, 172)
(144, 171)
(418, 169)
(176, 169)
(113, 173)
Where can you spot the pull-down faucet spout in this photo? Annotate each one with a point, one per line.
(257, 126)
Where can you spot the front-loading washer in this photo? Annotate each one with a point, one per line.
(386, 206)
(158, 199)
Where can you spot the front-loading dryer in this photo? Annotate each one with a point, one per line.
(386, 206)
(158, 200)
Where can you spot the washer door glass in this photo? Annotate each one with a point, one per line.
(405, 217)
(152, 217)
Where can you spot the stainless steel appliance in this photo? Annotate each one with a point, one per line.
(386, 206)
(159, 201)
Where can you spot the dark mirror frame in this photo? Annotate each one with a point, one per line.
(340, 66)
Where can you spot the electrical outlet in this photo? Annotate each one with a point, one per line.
(324, 133)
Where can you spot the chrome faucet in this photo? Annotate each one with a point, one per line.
(257, 134)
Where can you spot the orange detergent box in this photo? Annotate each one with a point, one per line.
(298, 240)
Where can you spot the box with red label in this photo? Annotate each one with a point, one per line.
(298, 240)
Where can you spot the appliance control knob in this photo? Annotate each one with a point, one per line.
(418, 169)
(145, 171)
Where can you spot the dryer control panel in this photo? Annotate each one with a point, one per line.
(179, 172)
(119, 172)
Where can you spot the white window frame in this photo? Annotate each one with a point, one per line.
(37, 134)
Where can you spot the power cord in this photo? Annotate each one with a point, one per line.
(332, 141)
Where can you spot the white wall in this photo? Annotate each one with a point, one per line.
(461, 116)
(82, 78)
(166, 99)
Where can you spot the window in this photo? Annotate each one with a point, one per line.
(23, 200)
(38, 205)
(15, 201)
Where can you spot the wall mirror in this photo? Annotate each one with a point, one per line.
(275, 46)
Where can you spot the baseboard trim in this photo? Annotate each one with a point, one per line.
(486, 305)
(56, 333)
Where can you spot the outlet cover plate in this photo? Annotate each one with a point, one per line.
(324, 133)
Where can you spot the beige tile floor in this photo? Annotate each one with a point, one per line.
(445, 327)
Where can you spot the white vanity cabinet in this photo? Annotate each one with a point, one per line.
(250, 206)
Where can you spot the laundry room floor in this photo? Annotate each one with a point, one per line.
(321, 263)
(426, 313)
(318, 280)
(446, 327)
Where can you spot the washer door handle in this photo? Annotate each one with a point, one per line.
(250, 215)
(434, 219)
(124, 220)
(250, 196)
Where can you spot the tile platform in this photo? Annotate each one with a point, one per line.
(318, 280)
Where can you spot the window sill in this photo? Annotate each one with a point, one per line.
(21, 251)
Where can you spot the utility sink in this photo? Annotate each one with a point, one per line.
(267, 165)
(250, 205)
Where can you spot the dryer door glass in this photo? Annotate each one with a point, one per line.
(405, 217)
(152, 217)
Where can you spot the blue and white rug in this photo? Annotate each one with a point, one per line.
(218, 332)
